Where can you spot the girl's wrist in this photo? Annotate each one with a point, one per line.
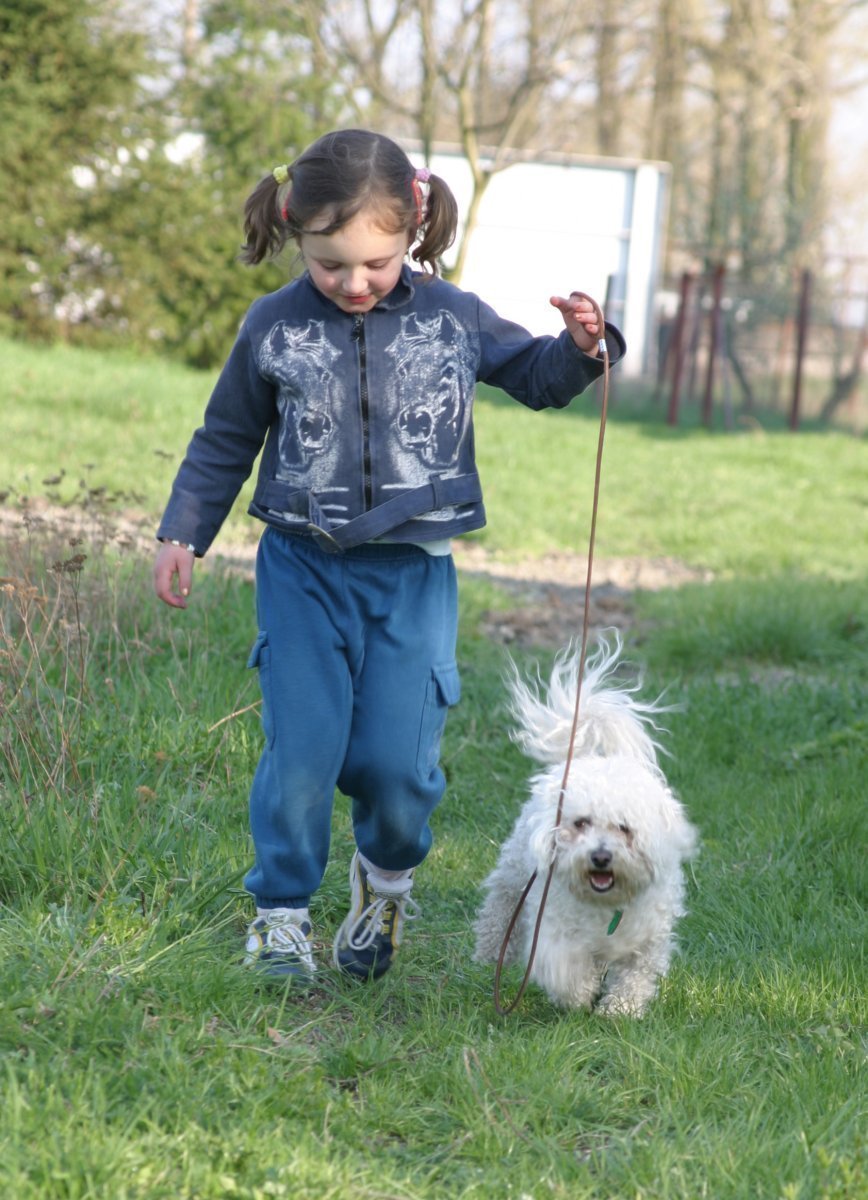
(591, 350)
(181, 545)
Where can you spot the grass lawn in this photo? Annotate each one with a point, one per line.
(140, 1061)
(747, 504)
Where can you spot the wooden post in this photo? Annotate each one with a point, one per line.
(801, 346)
(714, 348)
(678, 348)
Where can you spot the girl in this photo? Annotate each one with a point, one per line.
(359, 377)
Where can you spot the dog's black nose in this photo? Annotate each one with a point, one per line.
(601, 858)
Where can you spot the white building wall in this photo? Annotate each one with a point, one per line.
(591, 225)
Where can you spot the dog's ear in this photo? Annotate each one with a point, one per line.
(679, 835)
(542, 838)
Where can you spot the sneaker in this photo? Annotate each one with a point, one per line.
(373, 929)
(278, 944)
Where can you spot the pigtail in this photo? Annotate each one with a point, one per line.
(438, 226)
(265, 217)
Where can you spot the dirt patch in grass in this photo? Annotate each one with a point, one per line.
(549, 592)
(544, 596)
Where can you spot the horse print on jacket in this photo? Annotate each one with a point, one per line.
(300, 360)
(419, 390)
(434, 370)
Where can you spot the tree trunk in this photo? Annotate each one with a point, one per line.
(190, 35)
(608, 118)
(845, 385)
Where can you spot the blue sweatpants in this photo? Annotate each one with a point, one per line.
(356, 658)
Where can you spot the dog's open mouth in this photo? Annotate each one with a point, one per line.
(602, 881)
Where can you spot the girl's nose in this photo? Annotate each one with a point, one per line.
(355, 282)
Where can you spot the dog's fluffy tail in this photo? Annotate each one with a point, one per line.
(611, 719)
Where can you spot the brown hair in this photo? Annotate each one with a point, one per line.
(334, 179)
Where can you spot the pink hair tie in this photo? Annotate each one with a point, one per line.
(422, 175)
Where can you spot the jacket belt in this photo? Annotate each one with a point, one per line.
(439, 492)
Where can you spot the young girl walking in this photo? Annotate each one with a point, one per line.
(359, 378)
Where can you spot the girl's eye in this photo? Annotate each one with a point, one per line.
(336, 266)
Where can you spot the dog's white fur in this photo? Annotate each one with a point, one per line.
(620, 844)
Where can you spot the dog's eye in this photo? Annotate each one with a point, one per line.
(626, 830)
(582, 822)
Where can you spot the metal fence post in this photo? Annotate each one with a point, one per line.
(714, 348)
(801, 346)
(678, 348)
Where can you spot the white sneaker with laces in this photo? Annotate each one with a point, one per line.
(279, 945)
(373, 929)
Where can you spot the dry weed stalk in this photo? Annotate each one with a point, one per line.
(51, 591)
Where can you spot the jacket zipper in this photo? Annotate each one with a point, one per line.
(359, 336)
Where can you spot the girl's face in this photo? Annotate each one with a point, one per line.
(358, 265)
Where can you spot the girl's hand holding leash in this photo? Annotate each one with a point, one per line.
(173, 563)
(581, 317)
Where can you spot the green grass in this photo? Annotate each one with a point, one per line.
(748, 503)
(751, 504)
(138, 1061)
(69, 409)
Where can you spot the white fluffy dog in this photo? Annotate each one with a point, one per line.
(617, 889)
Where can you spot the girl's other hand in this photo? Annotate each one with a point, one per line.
(581, 319)
(173, 574)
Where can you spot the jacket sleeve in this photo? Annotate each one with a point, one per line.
(222, 452)
(539, 372)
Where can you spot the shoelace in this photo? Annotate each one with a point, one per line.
(373, 919)
(284, 937)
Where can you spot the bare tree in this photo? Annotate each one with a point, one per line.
(848, 379)
(807, 116)
(669, 51)
(607, 56)
(494, 75)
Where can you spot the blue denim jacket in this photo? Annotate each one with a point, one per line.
(367, 419)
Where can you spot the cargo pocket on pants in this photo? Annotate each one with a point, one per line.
(260, 657)
(443, 691)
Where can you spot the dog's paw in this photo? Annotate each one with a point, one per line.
(613, 1005)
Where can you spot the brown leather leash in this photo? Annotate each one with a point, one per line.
(504, 1010)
